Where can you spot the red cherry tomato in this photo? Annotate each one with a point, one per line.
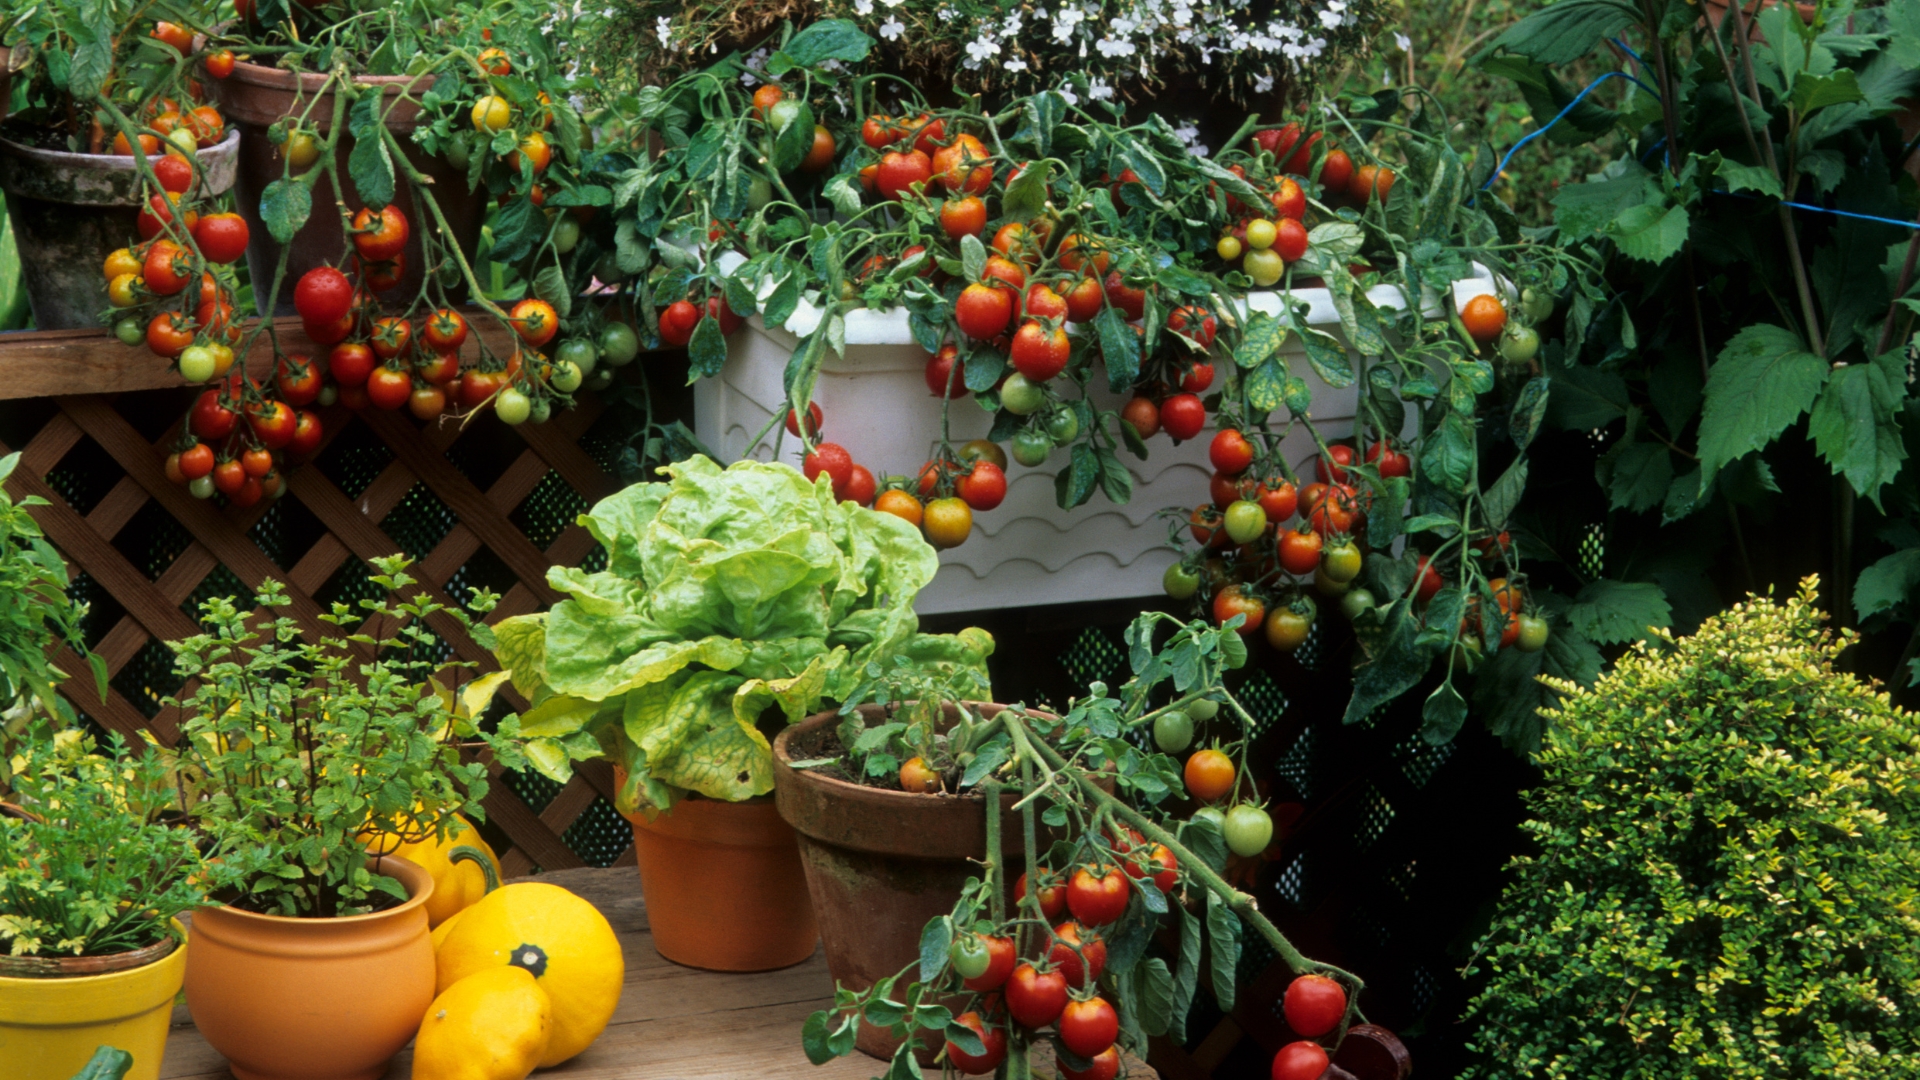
(1230, 452)
(1183, 416)
(1093, 950)
(1097, 897)
(832, 459)
(1300, 1061)
(323, 295)
(1035, 998)
(982, 488)
(993, 1038)
(813, 421)
(1314, 1005)
(1088, 1027)
(1000, 958)
(1053, 893)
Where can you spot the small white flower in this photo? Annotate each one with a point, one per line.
(1071, 97)
(892, 29)
(1016, 65)
(1098, 90)
(663, 26)
(979, 50)
(863, 7)
(1403, 41)
(1262, 84)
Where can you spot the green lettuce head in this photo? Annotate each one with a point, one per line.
(727, 592)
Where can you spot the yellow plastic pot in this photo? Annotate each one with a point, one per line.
(50, 1027)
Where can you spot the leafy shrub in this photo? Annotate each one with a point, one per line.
(34, 577)
(1728, 870)
(97, 870)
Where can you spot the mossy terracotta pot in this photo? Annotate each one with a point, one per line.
(723, 885)
(313, 999)
(70, 211)
(881, 863)
(255, 97)
(51, 1024)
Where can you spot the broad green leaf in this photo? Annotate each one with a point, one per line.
(1396, 664)
(1756, 178)
(368, 164)
(813, 1037)
(1120, 346)
(1811, 92)
(92, 63)
(1508, 697)
(1855, 423)
(843, 191)
(1611, 612)
(550, 759)
(1155, 996)
(1892, 581)
(1026, 193)
(1649, 232)
(1585, 397)
(1267, 386)
(1547, 96)
(107, 1063)
(1263, 337)
(1635, 474)
(1448, 456)
(1223, 937)
(828, 39)
(1529, 411)
(1566, 31)
(1500, 499)
(1762, 381)
(1186, 972)
(284, 207)
(1443, 714)
(520, 645)
(933, 947)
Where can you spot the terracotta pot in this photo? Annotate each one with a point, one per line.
(255, 96)
(50, 1026)
(880, 864)
(70, 211)
(723, 886)
(313, 999)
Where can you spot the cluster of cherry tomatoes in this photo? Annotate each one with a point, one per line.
(1055, 987)
(940, 502)
(1314, 1006)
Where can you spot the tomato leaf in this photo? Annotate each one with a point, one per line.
(1115, 481)
(1154, 997)
(368, 164)
(1762, 381)
(1223, 932)
(828, 39)
(92, 63)
(1443, 715)
(1143, 163)
(1398, 662)
(707, 350)
(1563, 32)
(1026, 193)
(934, 940)
(1650, 232)
(1324, 352)
(1448, 457)
(285, 206)
(1529, 410)
(1611, 612)
(966, 1039)
(1204, 838)
(973, 257)
(905, 1066)
(1120, 346)
(1500, 499)
(1385, 518)
(984, 365)
(814, 1035)
(1127, 940)
(1262, 337)
(793, 138)
(516, 229)
(1186, 973)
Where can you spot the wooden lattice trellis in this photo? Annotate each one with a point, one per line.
(56, 363)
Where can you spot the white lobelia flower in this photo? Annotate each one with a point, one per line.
(1098, 90)
(863, 7)
(663, 26)
(1403, 41)
(1262, 84)
(892, 29)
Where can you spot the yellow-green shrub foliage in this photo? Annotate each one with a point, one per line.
(1727, 875)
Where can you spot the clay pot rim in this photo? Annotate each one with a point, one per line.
(94, 162)
(310, 82)
(45, 968)
(783, 761)
(418, 889)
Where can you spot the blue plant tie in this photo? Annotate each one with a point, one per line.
(1544, 128)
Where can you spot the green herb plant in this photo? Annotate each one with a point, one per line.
(1726, 866)
(727, 594)
(38, 615)
(1060, 767)
(97, 868)
(295, 751)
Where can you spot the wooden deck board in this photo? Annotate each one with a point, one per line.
(673, 1023)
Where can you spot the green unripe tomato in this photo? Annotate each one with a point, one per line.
(783, 113)
(1181, 581)
(1357, 603)
(759, 193)
(1249, 830)
(566, 234)
(1261, 233)
(1063, 426)
(1212, 815)
(539, 411)
(566, 376)
(1264, 266)
(457, 152)
(183, 139)
(1020, 397)
(1537, 304)
(969, 957)
(1173, 731)
(1533, 633)
(1031, 447)
(196, 363)
(607, 269)
(512, 406)
(600, 380)
(579, 352)
(201, 487)
(130, 332)
(1203, 709)
(1245, 521)
(618, 344)
(1519, 344)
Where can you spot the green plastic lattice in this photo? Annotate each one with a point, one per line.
(599, 835)
(1092, 656)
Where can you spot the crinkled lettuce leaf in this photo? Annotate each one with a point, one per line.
(727, 593)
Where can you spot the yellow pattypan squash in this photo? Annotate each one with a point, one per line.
(561, 939)
(491, 1025)
(457, 882)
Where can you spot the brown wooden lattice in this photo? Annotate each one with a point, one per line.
(53, 364)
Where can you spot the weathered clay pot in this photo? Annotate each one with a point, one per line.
(255, 96)
(52, 1021)
(313, 999)
(723, 886)
(880, 864)
(70, 211)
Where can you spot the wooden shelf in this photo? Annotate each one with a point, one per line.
(674, 1023)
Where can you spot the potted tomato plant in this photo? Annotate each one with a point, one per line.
(734, 601)
(295, 752)
(93, 875)
(73, 178)
(1046, 941)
